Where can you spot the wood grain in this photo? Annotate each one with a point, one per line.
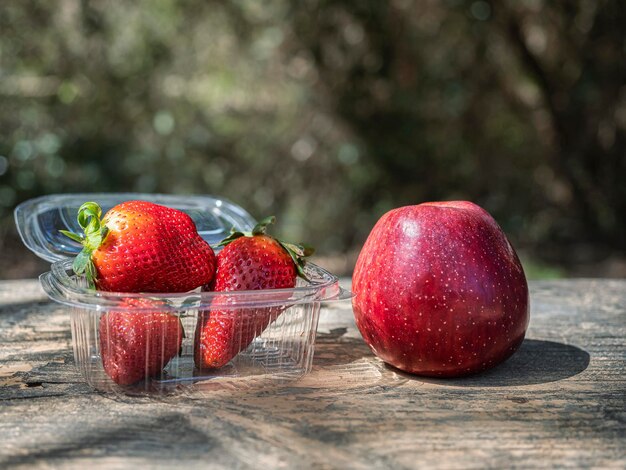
(559, 402)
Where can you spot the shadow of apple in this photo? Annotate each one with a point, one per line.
(536, 362)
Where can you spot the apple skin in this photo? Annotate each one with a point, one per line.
(440, 291)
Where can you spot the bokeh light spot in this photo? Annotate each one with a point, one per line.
(480, 10)
(23, 150)
(163, 123)
(348, 154)
(49, 143)
(67, 92)
(303, 149)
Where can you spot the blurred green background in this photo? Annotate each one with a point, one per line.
(327, 114)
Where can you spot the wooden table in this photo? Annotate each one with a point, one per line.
(559, 402)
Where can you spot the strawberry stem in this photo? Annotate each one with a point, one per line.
(89, 219)
(298, 254)
(261, 227)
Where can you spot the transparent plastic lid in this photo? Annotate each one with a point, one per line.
(39, 220)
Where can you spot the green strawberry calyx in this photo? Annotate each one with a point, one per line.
(297, 251)
(89, 219)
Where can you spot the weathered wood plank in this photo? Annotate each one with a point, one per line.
(559, 402)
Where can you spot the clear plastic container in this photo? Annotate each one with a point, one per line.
(271, 333)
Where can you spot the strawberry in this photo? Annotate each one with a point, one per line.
(248, 261)
(141, 247)
(137, 343)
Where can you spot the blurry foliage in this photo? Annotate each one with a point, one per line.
(326, 113)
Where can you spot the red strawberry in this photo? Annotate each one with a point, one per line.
(141, 247)
(250, 261)
(138, 344)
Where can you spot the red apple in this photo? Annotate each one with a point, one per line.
(439, 290)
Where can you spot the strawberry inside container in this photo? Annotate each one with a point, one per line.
(149, 342)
